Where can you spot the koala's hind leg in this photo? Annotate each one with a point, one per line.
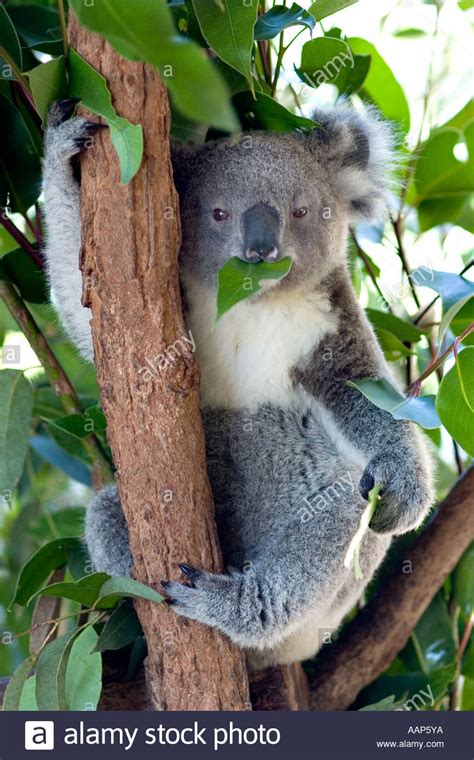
(106, 534)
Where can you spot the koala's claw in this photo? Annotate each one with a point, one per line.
(66, 138)
(191, 572)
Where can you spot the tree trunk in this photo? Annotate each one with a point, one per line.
(370, 643)
(131, 239)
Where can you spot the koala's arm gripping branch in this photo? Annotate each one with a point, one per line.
(369, 643)
(131, 238)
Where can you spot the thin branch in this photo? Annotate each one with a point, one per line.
(439, 359)
(398, 230)
(22, 241)
(368, 265)
(55, 373)
(262, 49)
(62, 19)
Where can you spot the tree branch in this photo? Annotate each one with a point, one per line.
(368, 645)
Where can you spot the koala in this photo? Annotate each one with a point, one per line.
(292, 450)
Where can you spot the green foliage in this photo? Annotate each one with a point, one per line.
(132, 30)
(228, 29)
(48, 82)
(279, 18)
(420, 409)
(16, 404)
(455, 400)
(227, 66)
(90, 87)
(238, 280)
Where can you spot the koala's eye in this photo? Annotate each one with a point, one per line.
(297, 213)
(220, 215)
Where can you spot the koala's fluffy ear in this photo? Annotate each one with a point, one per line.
(181, 158)
(358, 152)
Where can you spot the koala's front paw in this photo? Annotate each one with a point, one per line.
(66, 137)
(406, 492)
(202, 598)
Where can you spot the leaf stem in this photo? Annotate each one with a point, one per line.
(438, 360)
(62, 20)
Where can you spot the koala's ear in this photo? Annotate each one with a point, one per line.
(358, 152)
(181, 158)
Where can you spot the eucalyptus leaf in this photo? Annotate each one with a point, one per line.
(119, 588)
(20, 166)
(393, 348)
(16, 406)
(455, 400)
(420, 409)
(53, 453)
(228, 29)
(51, 672)
(450, 315)
(38, 26)
(442, 183)
(323, 60)
(9, 38)
(39, 567)
(121, 629)
(463, 581)
(85, 590)
(89, 86)
(451, 287)
(263, 112)
(84, 672)
(433, 637)
(279, 17)
(238, 280)
(14, 690)
(323, 8)
(48, 83)
(17, 267)
(404, 330)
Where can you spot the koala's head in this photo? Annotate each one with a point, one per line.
(264, 196)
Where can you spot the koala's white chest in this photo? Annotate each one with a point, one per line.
(246, 359)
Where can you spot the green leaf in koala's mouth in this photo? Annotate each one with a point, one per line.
(238, 280)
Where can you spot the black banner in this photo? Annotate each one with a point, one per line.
(329, 736)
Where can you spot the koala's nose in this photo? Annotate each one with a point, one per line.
(261, 233)
(252, 255)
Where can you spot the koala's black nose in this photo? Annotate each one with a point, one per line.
(261, 233)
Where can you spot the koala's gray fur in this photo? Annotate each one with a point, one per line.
(292, 451)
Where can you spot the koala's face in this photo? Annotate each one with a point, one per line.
(262, 197)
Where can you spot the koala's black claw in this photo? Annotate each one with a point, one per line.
(165, 584)
(93, 126)
(191, 572)
(366, 484)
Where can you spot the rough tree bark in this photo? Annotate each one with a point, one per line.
(131, 240)
(369, 644)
